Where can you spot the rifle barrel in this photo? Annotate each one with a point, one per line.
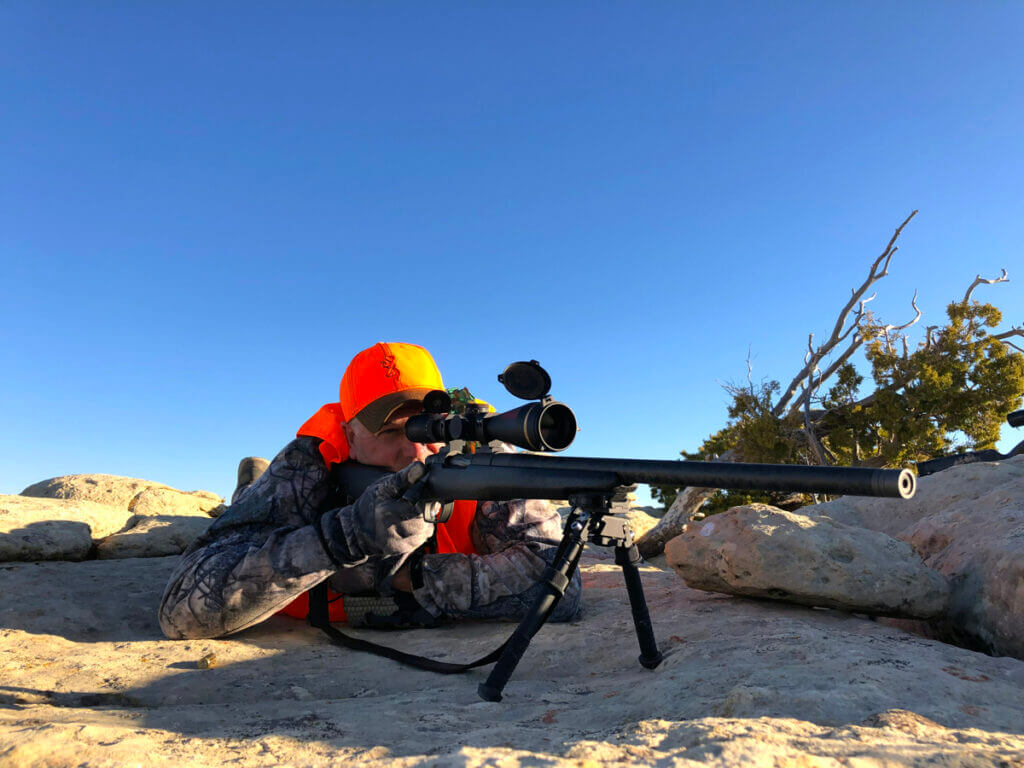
(497, 476)
(856, 481)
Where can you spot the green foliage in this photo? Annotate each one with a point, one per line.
(950, 394)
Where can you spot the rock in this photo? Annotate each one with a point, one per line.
(76, 516)
(87, 678)
(109, 490)
(165, 522)
(966, 522)
(760, 551)
(979, 547)
(54, 529)
(154, 536)
(142, 497)
(944, 490)
(164, 502)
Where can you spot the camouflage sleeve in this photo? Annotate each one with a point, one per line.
(518, 540)
(259, 555)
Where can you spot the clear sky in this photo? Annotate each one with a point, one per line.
(207, 208)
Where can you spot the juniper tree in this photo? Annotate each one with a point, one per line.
(948, 393)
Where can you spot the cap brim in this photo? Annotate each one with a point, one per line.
(376, 414)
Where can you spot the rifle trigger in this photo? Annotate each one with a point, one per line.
(445, 512)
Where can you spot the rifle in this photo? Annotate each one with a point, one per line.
(468, 468)
(931, 466)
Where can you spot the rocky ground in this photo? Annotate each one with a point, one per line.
(86, 678)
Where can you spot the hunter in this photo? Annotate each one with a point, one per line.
(293, 526)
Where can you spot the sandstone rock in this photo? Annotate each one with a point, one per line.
(143, 497)
(110, 490)
(760, 551)
(967, 522)
(86, 678)
(121, 516)
(154, 536)
(979, 546)
(163, 501)
(935, 493)
(165, 522)
(54, 529)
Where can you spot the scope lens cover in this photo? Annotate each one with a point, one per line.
(526, 380)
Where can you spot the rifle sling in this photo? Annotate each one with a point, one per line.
(318, 617)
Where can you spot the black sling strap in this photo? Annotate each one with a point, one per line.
(319, 617)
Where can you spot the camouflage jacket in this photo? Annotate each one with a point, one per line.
(268, 548)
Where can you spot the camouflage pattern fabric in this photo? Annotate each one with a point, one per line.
(292, 528)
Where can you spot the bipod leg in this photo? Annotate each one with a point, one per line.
(555, 579)
(627, 558)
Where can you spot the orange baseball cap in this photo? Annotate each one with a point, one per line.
(383, 378)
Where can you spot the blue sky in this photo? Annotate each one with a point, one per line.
(207, 209)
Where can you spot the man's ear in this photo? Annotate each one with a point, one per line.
(349, 432)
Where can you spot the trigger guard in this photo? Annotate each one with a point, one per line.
(443, 513)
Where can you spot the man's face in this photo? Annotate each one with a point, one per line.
(390, 447)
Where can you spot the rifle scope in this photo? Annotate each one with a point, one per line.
(544, 426)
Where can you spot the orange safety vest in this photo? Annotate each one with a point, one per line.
(451, 536)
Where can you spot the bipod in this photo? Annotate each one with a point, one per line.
(590, 520)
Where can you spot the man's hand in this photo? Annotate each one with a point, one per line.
(380, 522)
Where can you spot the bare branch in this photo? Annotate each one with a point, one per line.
(812, 439)
(917, 316)
(874, 274)
(813, 357)
(847, 353)
(879, 269)
(1015, 331)
(805, 396)
(888, 340)
(979, 280)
